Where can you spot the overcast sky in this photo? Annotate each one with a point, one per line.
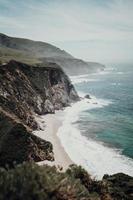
(95, 30)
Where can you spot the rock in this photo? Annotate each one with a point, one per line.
(119, 186)
(95, 103)
(18, 144)
(26, 89)
(87, 96)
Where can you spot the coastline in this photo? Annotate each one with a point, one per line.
(70, 146)
(50, 124)
(83, 150)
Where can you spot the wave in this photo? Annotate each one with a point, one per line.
(96, 158)
(116, 84)
(120, 73)
(81, 78)
(86, 77)
(105, 72)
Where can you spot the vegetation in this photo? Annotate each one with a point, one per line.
(28, 181)
(33, 52)
(7, 54)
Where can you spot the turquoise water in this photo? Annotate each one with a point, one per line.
(112, 124)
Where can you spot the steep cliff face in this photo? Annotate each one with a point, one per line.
(24, 92)
(26, 89)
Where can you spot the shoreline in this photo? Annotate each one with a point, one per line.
(50, 125)
(71, 147)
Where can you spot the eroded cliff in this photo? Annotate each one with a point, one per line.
(26, 91)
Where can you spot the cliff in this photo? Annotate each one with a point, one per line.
(18, 144)
(34, 52)
(26, 91)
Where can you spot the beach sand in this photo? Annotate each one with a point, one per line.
(50, 124)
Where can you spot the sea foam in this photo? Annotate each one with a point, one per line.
(81, 79)
(96, 158)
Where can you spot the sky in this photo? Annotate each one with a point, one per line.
(93, 30)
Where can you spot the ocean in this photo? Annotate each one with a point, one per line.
(97, 133)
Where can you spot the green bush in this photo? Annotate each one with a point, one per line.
(29, 181)
(80, 173)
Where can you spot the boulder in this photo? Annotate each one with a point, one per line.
(87, 96)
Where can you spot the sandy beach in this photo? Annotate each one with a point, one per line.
(50, 124)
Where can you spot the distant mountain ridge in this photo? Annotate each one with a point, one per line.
(36, 48)
(34, 52)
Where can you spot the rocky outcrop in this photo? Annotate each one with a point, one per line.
(114, 187)
(18, 144)
(87, 96)
(119, 186)
(25, 91)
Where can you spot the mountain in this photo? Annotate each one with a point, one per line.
(74, 66)
(38, 49)
(34, 52)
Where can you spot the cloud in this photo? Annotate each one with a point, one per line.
(72, 21)
(6, 22)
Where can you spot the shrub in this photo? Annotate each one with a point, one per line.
(29, 181)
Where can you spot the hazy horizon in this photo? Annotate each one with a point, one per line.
(98, 30)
